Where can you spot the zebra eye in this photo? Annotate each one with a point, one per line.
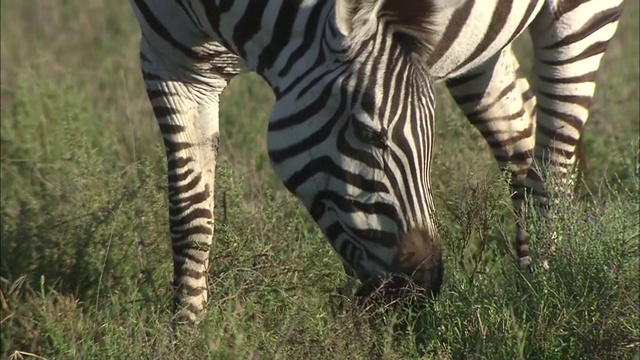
(368, 135)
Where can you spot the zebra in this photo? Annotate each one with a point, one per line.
(351, 132)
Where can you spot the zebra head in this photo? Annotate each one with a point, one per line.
(352, 139)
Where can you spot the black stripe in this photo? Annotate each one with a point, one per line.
(379, 237)
(351, 205)
(309, 37)
(281, 34)
(158, 93)
(303, 115)
(164, 111)
(401, 142)
(569, 119)
(248, 25)
(597, 22)
(180, 205)
(581, 100)
(523, 21)
(213, 12)
(175, 190)
(184, 234)
(318, 78)
(192, 215)
(147, 76)
(591, 50)
(504, 92)
(588, 77)
(463, 79)
(316, 138)
(164, 33)
(345, 148)
(498, 20)
(176, 177)
(177, 163)
(451, 33)
(327, 166)
(175, 146)
(554, 135)
(171, 129)
(189, 13)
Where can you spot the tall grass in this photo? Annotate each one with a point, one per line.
(85, 258)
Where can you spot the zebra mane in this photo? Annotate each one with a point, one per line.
(411, 21)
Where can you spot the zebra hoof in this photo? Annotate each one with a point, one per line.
(525, 262)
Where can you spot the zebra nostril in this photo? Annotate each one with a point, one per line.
(417, 271)
(419, 255)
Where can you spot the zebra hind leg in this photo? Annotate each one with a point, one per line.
(187, 114)
(497, 101)
(569, 42)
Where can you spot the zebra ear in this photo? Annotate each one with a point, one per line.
(418, 19)
(415, 17)
(412, 15)
(345, 10)
(447, 4)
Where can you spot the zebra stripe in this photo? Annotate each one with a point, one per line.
(352, 130)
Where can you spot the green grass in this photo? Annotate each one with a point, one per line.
(85, 258)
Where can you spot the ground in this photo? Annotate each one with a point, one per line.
(85, 259)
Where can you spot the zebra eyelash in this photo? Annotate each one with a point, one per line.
(369, 135)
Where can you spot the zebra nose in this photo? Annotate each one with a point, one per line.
(419, 255)
(417, 270)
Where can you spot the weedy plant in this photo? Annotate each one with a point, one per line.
(85, 262)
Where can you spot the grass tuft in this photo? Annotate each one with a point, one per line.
(85, 258)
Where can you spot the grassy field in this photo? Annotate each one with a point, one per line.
(85, 258)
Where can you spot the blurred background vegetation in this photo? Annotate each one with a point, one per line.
(85, 260)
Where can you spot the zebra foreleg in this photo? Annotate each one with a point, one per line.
(187, 114)
(498, 102)
(569, 45)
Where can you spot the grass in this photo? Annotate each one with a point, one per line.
(85, 261)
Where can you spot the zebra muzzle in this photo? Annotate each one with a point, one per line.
(417, 272)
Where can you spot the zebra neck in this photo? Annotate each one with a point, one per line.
(273, 37)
